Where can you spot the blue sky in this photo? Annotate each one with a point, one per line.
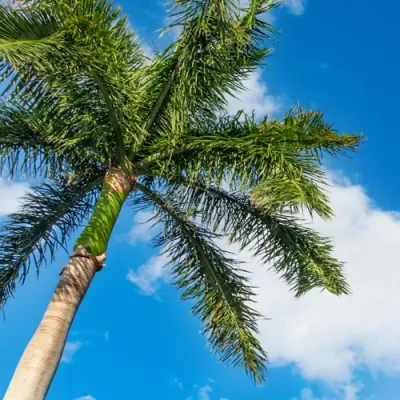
(134, 338)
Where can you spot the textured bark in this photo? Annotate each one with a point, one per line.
(38, 364)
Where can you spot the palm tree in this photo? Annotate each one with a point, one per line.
(102, 125)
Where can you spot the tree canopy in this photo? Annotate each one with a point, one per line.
(80, 96)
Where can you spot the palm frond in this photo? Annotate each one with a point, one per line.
(34, 143)
(26, 34)
(113, 59)
(23, 150)
(215, 282)
(270, 158)
(49, 214)
(308, 132)
(30, 45)
(297, 253)
(219, 45)
(91, 71)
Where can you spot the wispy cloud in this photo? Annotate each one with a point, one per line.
(10, 193)
(255, 98)
(178, 383)
(296, 7)
(347, 392)
(70, 350)
(89, 397)
(143, 229)
(148, 277)
(204, 392)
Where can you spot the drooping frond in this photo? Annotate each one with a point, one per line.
(298, 254)
(22, 148)
(30, 45)
(26, 34)
(49, 214)
(91, 73)
(215, 282)
(32, 144)
(112, 58)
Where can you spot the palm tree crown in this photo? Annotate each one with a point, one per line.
(82, 102)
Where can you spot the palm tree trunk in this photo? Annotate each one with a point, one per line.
(39, 363)
(40, 360)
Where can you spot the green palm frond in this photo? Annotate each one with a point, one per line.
(113, 60)
(26, 34)
(215, 282)
(308, 132)
(23, 150)
(92, 66)
(272, 158)
(217, 48)
(49, 214)
(299, 255)
(32, 144)
(30, 47)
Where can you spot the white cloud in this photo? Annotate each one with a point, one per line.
(326, 337)
(10, 195)
(69, 351)
(348, 392)
(149, 276)
(307, 394)
(204, 392)
(351, 391)
(255, 98)
(143, 229)
(85, 398)
(296, 7)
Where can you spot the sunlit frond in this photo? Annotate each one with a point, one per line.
(215, 282)
(277, 161)
(299, 255)
(217, 48)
